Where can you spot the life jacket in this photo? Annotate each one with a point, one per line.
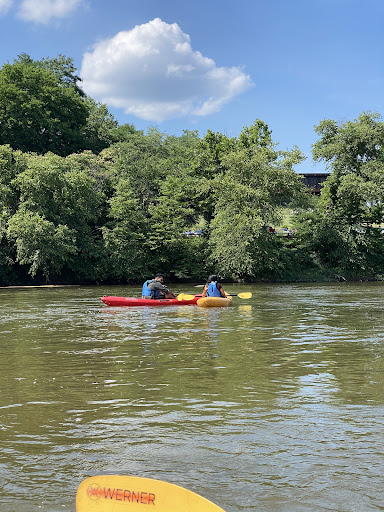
(213, 291)
(147, 292)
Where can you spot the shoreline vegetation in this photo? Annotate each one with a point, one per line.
(86, 201)
(325, 279)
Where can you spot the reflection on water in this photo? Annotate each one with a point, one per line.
(273, 404)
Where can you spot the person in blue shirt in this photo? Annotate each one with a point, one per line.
(155, 289)
(213, 288)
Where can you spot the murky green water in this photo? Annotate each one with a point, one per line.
(274, 404)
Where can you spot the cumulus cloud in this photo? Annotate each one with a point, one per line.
(5, 5)
(42, 11)
(152, 72)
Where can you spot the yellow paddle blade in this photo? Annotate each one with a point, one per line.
(184, 296)
(245, 295)
(115, 493)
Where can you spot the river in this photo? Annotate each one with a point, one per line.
(274, 404)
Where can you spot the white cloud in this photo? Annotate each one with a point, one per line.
(42, 11)
(5, 5)
(152, 72)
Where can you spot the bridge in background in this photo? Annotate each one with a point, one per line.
(314, 180)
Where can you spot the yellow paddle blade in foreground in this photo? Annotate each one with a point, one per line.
(115, 493)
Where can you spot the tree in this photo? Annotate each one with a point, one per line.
(12, 163)
(56, 225)
(124, 132)
(258, 181)
(41, 244)
(125, 233)
(100, 127)
(43, 108)
(37, 113)
(154, 189)
(61, 66)
(352, 202)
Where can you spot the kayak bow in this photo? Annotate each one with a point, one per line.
(214, 302)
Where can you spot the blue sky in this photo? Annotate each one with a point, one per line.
(212, 64)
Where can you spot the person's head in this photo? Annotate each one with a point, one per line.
(212, 278)
(159, 277)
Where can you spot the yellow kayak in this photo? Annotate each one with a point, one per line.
(214, 302)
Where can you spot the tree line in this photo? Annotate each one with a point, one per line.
(84, 199)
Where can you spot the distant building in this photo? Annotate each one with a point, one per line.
(314, 181)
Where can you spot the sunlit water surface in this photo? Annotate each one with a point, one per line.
(273, 404)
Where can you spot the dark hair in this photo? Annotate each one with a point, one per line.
(159, 275)
(211, 278)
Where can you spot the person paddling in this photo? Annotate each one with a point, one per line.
(155, 289)
(213, 288)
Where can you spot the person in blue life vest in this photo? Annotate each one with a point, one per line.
(155, 289)
(213, 288)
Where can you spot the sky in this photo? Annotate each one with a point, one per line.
(210, 64)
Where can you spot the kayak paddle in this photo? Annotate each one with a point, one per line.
(114, 493)
(245, 295)
(185, 296)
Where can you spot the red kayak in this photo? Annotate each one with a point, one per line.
(110, 300)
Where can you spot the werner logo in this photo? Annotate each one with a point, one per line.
(95, 492)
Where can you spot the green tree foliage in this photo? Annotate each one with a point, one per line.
(37, 113)
(121, 215)
(98, 132)
(346, 234)
(124, 132)
(155, 192)
(61, 66)
(207, 166)
(41, 244)
(55, 225)
(82, 199)
(257, 182)
(125, 233)
(43, 108)
(11, 164)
